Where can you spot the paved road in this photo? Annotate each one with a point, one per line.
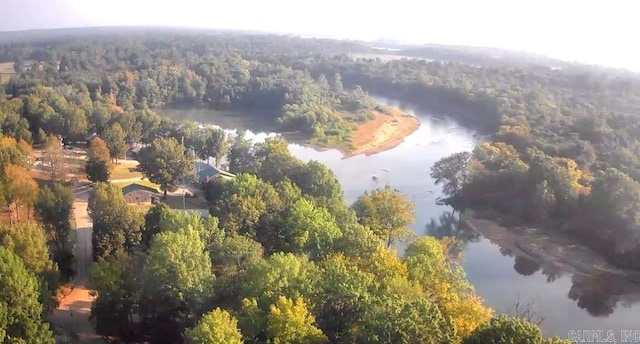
(74, 310)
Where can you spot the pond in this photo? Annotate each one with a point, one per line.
(565, 300)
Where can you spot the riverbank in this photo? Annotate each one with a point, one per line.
(546, 248)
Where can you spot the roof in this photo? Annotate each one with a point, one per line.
(208, 171)
(137, 187)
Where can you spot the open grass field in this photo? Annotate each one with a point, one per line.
(6, 67)
(125, 171)
(6, 72)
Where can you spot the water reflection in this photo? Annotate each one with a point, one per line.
(525, 266)
(597, 293)
(449, 225)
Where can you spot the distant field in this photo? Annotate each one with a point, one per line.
(6, 67)
(6, 71)
(388, 57)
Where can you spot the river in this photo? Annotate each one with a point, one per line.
(564, 299)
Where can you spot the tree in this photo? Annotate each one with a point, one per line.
(445, 284)
(341, 292)
(215, 327)
(114, 136)
(289, 322)
(161, 218)
(19, 306)
(387, 213)
(231, 257)
(391, 319)
(308, 228)
(53, 159)
(245, 204)
(274, 161)
(241, 158)
(28, 241)
(11, 153)
(282, 274)
(75, 123)
(318, 181)
(53, 208)
(21, 188)
(505, 330)
(216, 144)
(613, 209)
(178, 282)
(452, 171)
(116, 226)
(117, 284)
(98, 167)
(336, 83)
(165, 163)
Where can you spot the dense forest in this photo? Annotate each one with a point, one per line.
(283, 258)
(207, 71)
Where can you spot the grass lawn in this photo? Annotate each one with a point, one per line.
(125, 171)
(6, 67)
(175, 202)
(6, 72)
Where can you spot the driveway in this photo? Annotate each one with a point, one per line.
(74, 310)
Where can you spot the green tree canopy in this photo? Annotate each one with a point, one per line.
(387, 213)
(20, 312)
(53, 207)
(244, 202)
(118, 286)
(177, 282)
(98, 167)
(282, 274)
(308, 228)
(241, 156)
(505, 330)
(116, 226)
(114, 137)
(452, 171)
(166, 163)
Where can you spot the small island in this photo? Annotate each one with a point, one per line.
(386, 130)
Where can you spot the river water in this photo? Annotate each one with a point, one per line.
(563, 300)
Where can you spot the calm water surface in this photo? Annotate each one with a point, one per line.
(565, 302)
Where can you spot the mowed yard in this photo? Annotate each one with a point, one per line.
(6, 72)
(125, 170)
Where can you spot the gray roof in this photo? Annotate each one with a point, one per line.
(135, 187)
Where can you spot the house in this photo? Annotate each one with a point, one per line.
(207, 172)
(140, 194)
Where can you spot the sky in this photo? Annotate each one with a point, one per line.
(589, 31)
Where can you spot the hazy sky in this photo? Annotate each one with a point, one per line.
(601, 32)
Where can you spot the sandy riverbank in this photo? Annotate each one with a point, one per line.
(547, 248)
(383, 132)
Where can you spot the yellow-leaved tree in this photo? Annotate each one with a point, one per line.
(446, 285)
(289, 322)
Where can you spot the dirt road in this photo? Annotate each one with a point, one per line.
(74, 310)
